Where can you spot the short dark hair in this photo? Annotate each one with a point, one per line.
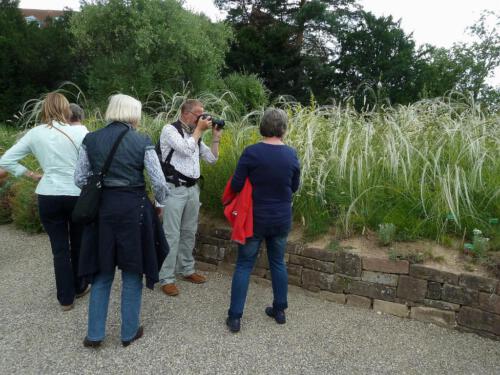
(77, 113)
(273, 123)
(189, 104)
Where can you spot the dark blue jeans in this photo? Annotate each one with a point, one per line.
(65, 238)
(247, 254)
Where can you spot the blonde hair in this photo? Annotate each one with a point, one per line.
(55, 107)
(124, 108)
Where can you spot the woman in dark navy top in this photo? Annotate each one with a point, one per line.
(274, 172)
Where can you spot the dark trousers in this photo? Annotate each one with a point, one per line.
(65, 238)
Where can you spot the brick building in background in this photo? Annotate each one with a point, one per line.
(40, 15)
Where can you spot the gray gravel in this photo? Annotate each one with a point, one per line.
(187, 335)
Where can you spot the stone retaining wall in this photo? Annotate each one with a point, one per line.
(456, 300)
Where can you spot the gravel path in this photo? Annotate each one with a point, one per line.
(186, 334)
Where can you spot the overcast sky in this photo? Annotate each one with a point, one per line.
(438, 22)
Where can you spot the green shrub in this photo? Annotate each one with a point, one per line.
(5, 196)
(386, 233)
(25, 206)
(249, 92)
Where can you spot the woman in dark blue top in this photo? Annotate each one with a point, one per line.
(274, 172)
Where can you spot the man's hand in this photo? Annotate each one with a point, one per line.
(204, 123)
(216, 134)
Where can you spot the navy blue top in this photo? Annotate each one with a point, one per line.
(274, 173)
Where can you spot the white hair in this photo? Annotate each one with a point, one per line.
(123, 108)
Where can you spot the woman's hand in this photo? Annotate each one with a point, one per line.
(33, 175)
(3, 176)
(159, 212)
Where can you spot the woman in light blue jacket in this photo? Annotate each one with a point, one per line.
(55, 144)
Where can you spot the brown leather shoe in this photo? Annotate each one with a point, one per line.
(170, 289)
(196, 278)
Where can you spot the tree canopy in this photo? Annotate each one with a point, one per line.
(309, 49)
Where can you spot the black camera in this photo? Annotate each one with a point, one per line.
(218, 123)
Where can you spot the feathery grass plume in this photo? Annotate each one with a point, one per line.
(413, 165)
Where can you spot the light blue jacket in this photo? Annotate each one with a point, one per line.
(55, 153)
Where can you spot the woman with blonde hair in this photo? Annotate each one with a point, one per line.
(55, 144)
(127, 233)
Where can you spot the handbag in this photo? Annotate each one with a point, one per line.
(87, 205)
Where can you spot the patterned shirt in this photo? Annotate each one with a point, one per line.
(187, 154)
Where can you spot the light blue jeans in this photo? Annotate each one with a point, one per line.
(130, 308)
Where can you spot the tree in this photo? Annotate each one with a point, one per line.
(139, 46)
(480, 58)
(289, 43)
(33, 59)
(376, 52)
(465, 66)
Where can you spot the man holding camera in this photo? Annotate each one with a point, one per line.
(181, 150)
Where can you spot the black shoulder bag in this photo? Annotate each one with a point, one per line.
(87, 205)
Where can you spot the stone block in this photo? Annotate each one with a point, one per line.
(412, 289)
(222, 233)
(207, 267)
(378, 291)
(312, 264)
(333, 297)
(203, 229)
(333, 283)
(380, 278)
(200, 258)
(391, 308)
(226, 268)
(441, 305)
(347, 264)
(262, 260)
(478, 319)
(358, 301)
(431, 315)
(212, 252)
(489, 302)
(386, 265)
(460, 295)
(294, 270)
(428, 273)
(310, 279)
(294, 280)
(260, 272)
(484, 284)
(231, 255)
(204, 239)
(293, 248)
(319, 254)
(434, 290)
(408, 303)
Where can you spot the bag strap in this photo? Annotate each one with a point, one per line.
(107, 163)
(67, 136)
(177, 125)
